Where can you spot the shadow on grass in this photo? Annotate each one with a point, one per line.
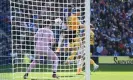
(54, 79)
(66, 76)
(80, 74)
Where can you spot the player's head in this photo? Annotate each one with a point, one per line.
(76, 12)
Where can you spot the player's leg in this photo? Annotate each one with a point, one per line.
(61, 37)
(51, 55)
(79, 64)
(73, 44)
(95, 66)
(73, 53)
(32, 65)
(80, 59)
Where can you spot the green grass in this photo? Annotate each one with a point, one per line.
(105, 72)
(112, 76)
(71, 76)
(42, 76)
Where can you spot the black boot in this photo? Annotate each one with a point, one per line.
(26, 75)
(55, 76)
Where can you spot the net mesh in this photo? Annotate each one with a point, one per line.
(48, 39)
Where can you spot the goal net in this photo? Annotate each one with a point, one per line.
(48, 39)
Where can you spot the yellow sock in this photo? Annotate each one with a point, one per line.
(72, 56)
(92, 62)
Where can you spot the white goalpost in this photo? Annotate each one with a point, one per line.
(87, 39)
(50, 39)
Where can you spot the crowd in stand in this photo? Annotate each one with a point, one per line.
(5, 29)
(113, 20)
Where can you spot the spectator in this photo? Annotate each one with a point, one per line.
(99, 49)
(128, 52)
(113, 21)
(110, 49)
(116, 53)
(104, 52)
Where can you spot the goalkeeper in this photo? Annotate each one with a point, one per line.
(80, 57)
(73, 25)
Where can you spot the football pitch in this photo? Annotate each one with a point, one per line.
(112, 76)
(105, 72)
(70, 76)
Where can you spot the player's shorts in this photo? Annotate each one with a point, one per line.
(70, 34)
(92, 49)
(45, 51)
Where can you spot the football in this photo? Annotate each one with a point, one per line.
(58, 21)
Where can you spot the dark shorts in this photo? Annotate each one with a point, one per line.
(92, 49)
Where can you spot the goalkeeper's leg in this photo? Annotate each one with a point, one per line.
(74, 50)
(70, 59)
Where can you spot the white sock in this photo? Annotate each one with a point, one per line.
(55, 65)
(79, 63)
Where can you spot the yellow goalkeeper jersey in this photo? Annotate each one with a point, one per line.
(73, 23)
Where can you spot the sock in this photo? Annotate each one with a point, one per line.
(78, 66)
(55, 65)
(32, 65)
(54, 72)
(81, 65)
